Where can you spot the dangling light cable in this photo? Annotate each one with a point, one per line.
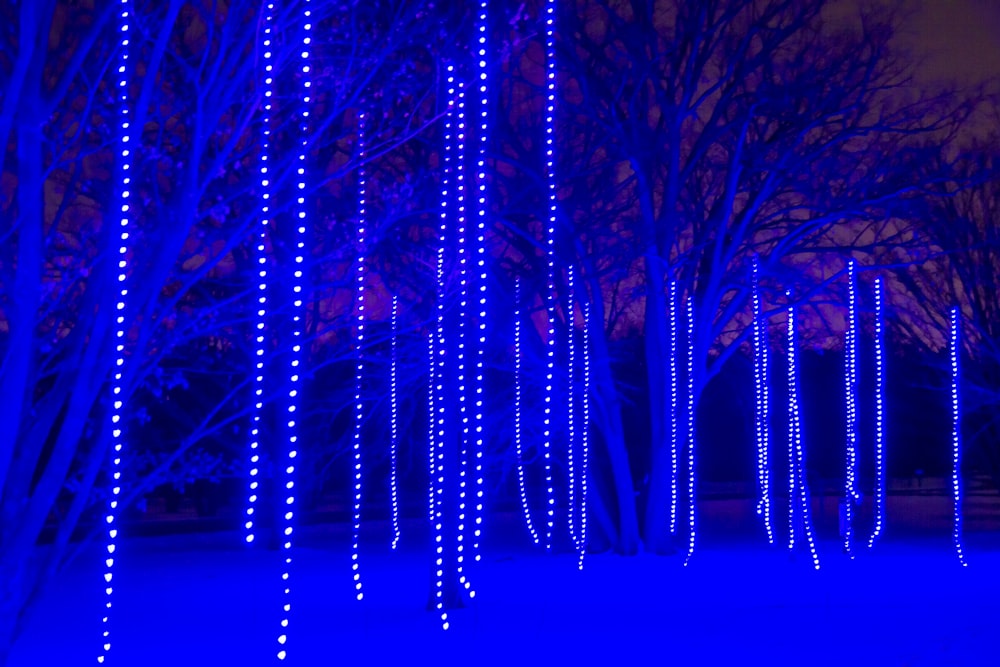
(796, 455)
(431, 416)
(435, 398)
(763, 417)
(585, 427)
(570, 407)
(674, 414)
(956, 436)
(792, 407)
(851, 389)
(879, 417)
(461, 232)
(804, 495)
(477, 518)
(298, 322)
(261, 258)
(393, 423)
(691, 440)
(440, 402)
(125, 164)
(550, 253)
(362, 245)
(518, 447)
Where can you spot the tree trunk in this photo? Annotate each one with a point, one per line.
(657, 515)
(15, 371)
(12, 596)
(660, 475)
(607, 418)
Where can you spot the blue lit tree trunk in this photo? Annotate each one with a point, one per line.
(658, 538)
(613, 503)
(21, 109)
(44, 431)
(17, 363)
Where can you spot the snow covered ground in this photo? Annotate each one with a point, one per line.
(204, 599)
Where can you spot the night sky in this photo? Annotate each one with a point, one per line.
(959, 38)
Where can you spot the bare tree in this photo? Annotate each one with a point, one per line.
(775, 128)
(196, 91)
(960, 227)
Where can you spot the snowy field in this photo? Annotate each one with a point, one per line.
(203, 599)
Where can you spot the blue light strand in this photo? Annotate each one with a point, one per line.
(956, 436)
(461, 233)
(804, 496)
(879, 417)
(762, 413)
(674, 415)
(260, 256)
(550, 241)
(394, 423)
(518, 444)
(298, 322)
(440, 404)
(117, 439)
(430, 425)
(435, 390)
(585, 429)
(691, 439)
(478, 383)
(851, 398)
(796, 453)
(570, 407)
(791, 378)
(359, 414)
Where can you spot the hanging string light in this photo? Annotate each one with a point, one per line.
(477, 519)
(763, 417)
(791, 379)
(851, 389)
(570, 407)
(431, 416)
(461, 232)
(674, 415)
(393, 422)
(796, 454)
(440, 403)
(298, 322)
(261, 259)
(804, 495)
(691, 432)
(585, 430)
(435, 398)
(117, 439)
(550, 254)
(362, 245)
(879, 417)
(956, 436)
(518, 445)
